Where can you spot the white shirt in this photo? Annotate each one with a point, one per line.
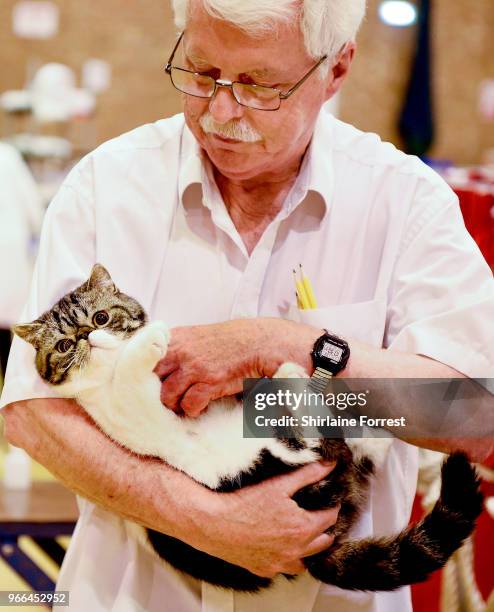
(382, 239)
(20, 220)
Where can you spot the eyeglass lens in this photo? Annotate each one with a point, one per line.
(254, 96)
(193, 84)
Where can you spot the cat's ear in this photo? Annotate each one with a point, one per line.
(101, 279)
(30, 332)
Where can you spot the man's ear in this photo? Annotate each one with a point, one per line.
(339, 70)
(30, 332)
(100, 279)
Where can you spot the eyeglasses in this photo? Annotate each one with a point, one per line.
(246, 94)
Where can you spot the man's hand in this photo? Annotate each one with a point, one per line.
(205, 362)
(262, 529)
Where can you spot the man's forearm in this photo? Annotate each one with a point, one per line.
(367, 361)
(59, 435)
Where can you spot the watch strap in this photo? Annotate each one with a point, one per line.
(319, 379)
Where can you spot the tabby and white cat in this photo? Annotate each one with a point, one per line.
(96, 345)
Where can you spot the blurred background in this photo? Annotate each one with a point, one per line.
(74, 74)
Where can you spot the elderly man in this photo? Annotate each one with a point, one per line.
(202, 217)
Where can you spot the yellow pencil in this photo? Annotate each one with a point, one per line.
(311, 298)
(305, 305)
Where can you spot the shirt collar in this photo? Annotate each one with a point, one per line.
(190, 167)
(316, 173)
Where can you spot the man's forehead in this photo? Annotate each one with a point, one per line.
(249, 67)
(248, 59)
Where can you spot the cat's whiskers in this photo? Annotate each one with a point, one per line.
(78, 359)
(71, 362)
(82, 356)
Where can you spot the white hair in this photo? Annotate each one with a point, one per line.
(327, 25)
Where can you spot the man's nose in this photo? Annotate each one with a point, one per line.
(223, 106)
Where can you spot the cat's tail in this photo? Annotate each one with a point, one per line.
(384, 564)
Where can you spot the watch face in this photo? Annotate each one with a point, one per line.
(332, 352)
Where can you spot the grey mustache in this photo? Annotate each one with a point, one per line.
(236, 130)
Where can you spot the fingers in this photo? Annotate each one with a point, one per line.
(180, 392)
(322, 520)
(166, 366)
(322, 542)
(177, 395)
(196, 399)
(173, 388)
(304, 476)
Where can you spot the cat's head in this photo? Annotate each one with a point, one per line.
(61, 335)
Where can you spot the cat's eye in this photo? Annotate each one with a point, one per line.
(64, 345)
(101, 318)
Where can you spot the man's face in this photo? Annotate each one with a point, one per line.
(279, 138)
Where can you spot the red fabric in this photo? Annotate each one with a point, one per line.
(477, 207)
(484, 546)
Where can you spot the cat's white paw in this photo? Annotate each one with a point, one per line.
(152, 340)
(290, 370)
(158, 336)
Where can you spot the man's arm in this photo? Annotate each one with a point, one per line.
(58, 434)
(210, 361)
(369, 362)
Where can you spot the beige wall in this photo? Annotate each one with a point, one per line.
(133, 35)
(136, 37)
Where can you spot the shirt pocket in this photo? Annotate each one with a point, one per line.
(364, 321)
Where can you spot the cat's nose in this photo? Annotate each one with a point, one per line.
(84, 335)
